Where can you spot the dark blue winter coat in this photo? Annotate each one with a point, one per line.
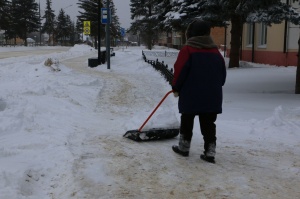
(199, 74)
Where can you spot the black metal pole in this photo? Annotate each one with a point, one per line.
(40, 23)
(225, 41)
(108, 34)
(253, 42)
(99, 35)
(285, 50)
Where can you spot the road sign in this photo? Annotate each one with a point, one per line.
(86, 31)
(122, 31)
(86, 24)
(104, 15)
(86, 27)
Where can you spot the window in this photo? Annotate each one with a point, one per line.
(263, 34)
(249, 34)
(177, 40)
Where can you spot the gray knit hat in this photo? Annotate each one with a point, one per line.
(198, 28)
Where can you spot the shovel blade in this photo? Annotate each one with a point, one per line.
(133, 135)
(151, 134)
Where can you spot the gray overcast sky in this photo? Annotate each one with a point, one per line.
(122, 6)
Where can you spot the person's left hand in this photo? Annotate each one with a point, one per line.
(176, 94)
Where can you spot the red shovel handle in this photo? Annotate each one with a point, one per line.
(161, 101)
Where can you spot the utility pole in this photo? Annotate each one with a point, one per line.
(108, 34)
(99, 28)
(40, 22)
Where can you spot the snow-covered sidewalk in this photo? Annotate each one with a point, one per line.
(61, 132)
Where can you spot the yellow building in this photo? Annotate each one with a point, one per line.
(275, 45)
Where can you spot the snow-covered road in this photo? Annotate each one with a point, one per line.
(30, 51)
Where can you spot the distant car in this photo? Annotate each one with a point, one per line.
(30, 42)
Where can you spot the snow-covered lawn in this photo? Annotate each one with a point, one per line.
(61, 131)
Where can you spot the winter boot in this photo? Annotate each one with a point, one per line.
(183, 147)
(209, 153)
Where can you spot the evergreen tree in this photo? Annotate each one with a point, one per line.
(49, 16)
(91, 13)
(164, 7)
(70, 30)
(5, 17)
(144, 12)
(179, 14)
(61, 26)
(2, 4)
(26, 17)
(115, 23)
(4, 7)
(64, 27)
(239, 12)
(11, 32)
(78, 30)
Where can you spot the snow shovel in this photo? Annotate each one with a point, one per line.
(152, 134)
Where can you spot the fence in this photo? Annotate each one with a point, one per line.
(161, 53)
(160, 66)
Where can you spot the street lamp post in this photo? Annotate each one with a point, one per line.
(40, 22)
(99, 35)
(138, 32)
(108, 34)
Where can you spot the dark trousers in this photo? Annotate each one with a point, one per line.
(207, 127)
